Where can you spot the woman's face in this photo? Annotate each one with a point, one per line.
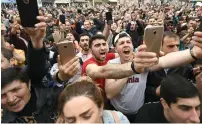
(82, 109)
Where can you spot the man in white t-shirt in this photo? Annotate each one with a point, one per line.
(127, 94)
(84, 54)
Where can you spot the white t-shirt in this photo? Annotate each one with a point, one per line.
(83, 56)
(131, 98)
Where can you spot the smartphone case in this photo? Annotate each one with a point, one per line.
(66, 51)
(28, 10)
(153, 38)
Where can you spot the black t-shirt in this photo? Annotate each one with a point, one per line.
(151, 113)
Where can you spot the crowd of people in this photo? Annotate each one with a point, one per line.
(112, 78)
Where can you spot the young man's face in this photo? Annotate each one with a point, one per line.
(133, 16)
(124, 48)
(15, 96)
(186, 110)
(99, 49)
(170, 45)
(132, 26)
(67, 25)
(70, 37)
(192, 23)
(114, 27)
(152, 21)
(84, 43)
(87, 25)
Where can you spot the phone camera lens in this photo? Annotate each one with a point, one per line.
(154, 32)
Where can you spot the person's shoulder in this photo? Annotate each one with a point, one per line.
(114, 61)
(151, 105)
(122, 117)
(110, 56)
(89, 61)
(79, 54)
(49, 95)
(108, 117)
(148, 112)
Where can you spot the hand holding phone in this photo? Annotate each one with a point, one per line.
(66, 51)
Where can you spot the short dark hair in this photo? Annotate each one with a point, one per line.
(175, 86)
(11, 74)
(84, 34)
(95, 37)
(170, 35)
(6, 53)
(190, 19)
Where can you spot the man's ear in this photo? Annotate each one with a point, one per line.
(164, 103)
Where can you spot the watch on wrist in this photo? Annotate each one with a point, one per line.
(192, 53)
(133, 68)
(58, 79)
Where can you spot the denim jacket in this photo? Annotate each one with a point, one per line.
(108, 117)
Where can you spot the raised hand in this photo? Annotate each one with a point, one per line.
(38, 33)
(69, 69)
(144, 59)
(197, 41)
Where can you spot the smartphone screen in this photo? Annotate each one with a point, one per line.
(79, 11)
(28, 10)
(62, 19)
(109, 17)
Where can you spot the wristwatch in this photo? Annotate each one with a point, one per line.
(192, 53)
(133, 68)
(58, 79)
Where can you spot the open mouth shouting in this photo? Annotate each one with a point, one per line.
(126, 51)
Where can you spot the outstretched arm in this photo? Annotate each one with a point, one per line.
(182, 57)
(118, 71)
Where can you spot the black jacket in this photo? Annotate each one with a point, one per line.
(46, 98)
(151, 113)
(38, 64)
(154, 79)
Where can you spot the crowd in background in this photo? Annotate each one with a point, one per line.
(113, 78)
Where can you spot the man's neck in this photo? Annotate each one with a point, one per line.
(126, 61)
(85, 52)
(99, 61)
